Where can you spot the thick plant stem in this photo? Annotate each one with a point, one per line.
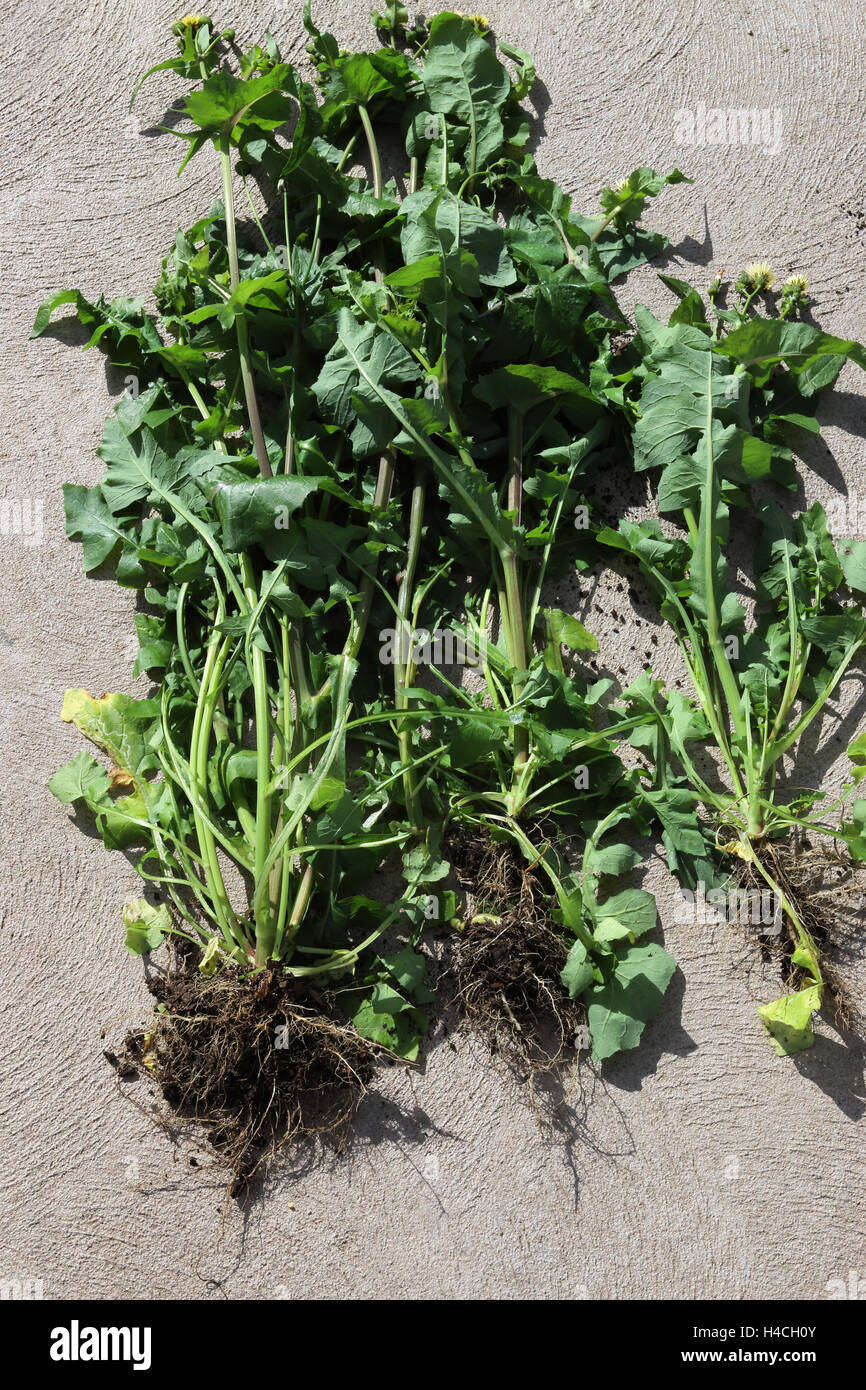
(264, 920)
(403, 666)
(754, 802)
(367, 588)
(513, 617)
(376, 168)
(201, 730)
(299, 907)
(607, 221)
(259, 444)
(707, 538)
(805, 940)
(375, 162)
(280, 875)
(385, 478)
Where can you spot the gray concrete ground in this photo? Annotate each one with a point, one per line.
(702, 1165)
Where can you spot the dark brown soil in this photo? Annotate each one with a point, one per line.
(507, 959)
(254, 1058)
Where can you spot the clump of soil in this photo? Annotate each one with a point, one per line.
(256, 1059)
(824, 885)
(506, 961)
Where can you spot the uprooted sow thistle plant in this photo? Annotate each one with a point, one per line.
(375, 403)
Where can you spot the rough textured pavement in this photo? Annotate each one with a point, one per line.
(701, 1165)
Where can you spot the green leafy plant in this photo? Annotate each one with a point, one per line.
(714, 399)
(496, 299)
(355, 460)
(334, 407)
(251, 781)
(243, 541)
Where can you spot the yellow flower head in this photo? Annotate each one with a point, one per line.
(795, 284)
(191, 21)
(761, 275)
(794, 297)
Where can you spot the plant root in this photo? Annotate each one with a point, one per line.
(254, 1058)
(506, 961)
(818, 881)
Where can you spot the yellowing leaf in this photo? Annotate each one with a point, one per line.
(734, 847)
(119, 777)
(123, 727)
(210, 961)
(145, 925)
(788, 1021)
(148, 1052)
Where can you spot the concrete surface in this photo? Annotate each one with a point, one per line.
(701, 1165)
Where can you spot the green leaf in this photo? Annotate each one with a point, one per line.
(690, 308)
(465, 82)
(523, 83)
(857, 753)
(119, 724)
(438, 223)
(82, 779)
(525, 385)
(358, 78)
(210, 961)
(833, 633)
(89, 519)
(155, 646)
(223, 98)
(471, 740)
(409, 968)
(647, 541)
(135, 471)
(410, 277)
(145, 925)
(627, 200)
(799, 345)
(615, 859)
(354, 387)
(261, 292)
(389, 1019)
(852, 557)
(568, 631)
(422, 866)
(674, 402)
(618, 1010)
(127, 730)
(675, 809)
(804, 422)
(258, 513)
(578, 971)
(609, 931)
(85, 310)
(116, 322)
(687, 721)
(634, 909)
(854, 831)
